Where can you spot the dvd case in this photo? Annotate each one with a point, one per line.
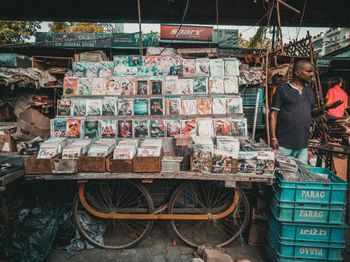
(188, 106)
(156, 85)
(173, 106)
(91, 129)
(105, 69)
(200, 85)
(157, 106)
(231, 85)
(222, 127)
(125, 107)
(202, 67)
(108, 128)
(219, 105)
(189, 67)
(70, 86)
(99, 86)
(158, 128)
(79, 107)
(216, 85)
(171, 85)
(204, 105)
(173, 128)
(216, 67)
(188, 127)
(125, 128)
(185, 86)
(85, 86)
(141, 106)
(141, 128)
(64, 107)
(93, 107)
(58, 127)
(109, 106)
(234, 105)
(73, 128)
(142, 86)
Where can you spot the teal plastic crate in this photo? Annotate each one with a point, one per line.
(313, 233)
(307, 250)
(312, 192)
(276, 257)
(307, 212)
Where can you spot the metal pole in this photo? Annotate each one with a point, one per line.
(256, 112)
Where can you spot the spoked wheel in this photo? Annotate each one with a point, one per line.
(208, 198)
(113, 197)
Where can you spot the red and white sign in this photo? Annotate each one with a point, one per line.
(191, 33)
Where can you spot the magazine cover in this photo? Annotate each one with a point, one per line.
(73, 128)
(221, 163)
(201, 160)
(113, 86)
(202, 67)
(231, 66)
(93, 107)
(125, 107)
(222, 127)
(157, 106)
(188, 127)
(231, 85)
(171, 85)
(121, 63)
(79, 107)
(85, 87)
(128, 85)
(99, 86)
(173, 127)
(70, 86)
(108, 128)
(216, 67)
(239, 127)
(204, 105)
(141, 128)
(135, 60)
(109, 106)
(188, 67)
(156, 85)
(125, 128)
(234, 105)
(163, 66)
(173, 106)
(151, 63)
(205, 127)
(142, 86)
(219, 106)
(64, 107)
(200, 85)
(216, 85)
(105, 69)
(92, 69)
(158, 128)
(58, 127)
(79, 69)
(91, 129)
(185, 86)
(141, 107)
(188, 106)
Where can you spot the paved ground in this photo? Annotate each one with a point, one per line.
(157, 247)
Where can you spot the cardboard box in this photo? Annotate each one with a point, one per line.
(7, 144)
(32, 124)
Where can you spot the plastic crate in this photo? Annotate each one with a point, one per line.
(308, 213)
(307, 250)
(313, 233)
(312, 192)
(276, 257)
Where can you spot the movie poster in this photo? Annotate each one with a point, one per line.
(91, 129)
(64, 107)
(141, 128)
(188, 127)
(173, 128)
(157, 106)
(93, 107)
(70, 86)
(85, 87)
(200, 85)
(99, 86)
(79, 107)
(125, 129)
(173, 106)
(109, 106)
(125, 107)
(203, 105)
(158, 128)
(141, 107)
(73, 128)
(58, 127)
(108, 128)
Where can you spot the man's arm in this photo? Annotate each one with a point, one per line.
(273, 124)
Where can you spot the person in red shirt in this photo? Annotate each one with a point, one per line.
(337, 93)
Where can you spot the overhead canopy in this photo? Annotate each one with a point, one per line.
(318, 13)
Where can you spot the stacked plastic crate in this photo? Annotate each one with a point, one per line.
(307, 219)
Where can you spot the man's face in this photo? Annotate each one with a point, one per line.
(305, 73)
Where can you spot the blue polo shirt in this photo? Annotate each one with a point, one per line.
(294, 115)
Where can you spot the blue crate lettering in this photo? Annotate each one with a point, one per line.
(316, 233)
(313, 192)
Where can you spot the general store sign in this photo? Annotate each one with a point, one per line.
(189, 33)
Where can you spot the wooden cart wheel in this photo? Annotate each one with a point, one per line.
(208, 198)
(113, 197)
